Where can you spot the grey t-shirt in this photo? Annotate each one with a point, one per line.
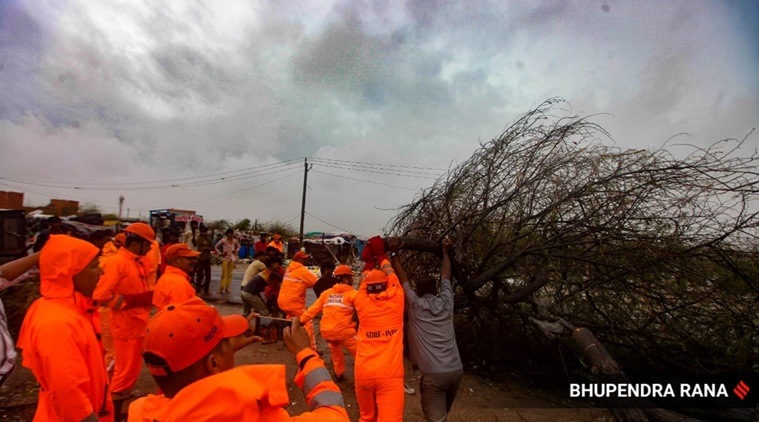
(431, 335)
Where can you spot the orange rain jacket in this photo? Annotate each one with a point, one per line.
(292, 294)
(173, 287)
(337, 304)
(380, 333)
(109, 249)
(151, 261)
(279, 245)
(124, 275)
(58, 339)
(248, 393)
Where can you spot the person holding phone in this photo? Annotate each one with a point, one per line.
(189, 350)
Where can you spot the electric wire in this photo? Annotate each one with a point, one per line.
(131, 185)
(362, 180)
(377, 171)
(235, 192)
(327, 223)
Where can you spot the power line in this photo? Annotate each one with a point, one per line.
(376, 171)
(235, 192)
(131, 185)
(377, 164)
(328, 223)
(362, 180)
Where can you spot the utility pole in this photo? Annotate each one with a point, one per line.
(121, 205)
(303, 206)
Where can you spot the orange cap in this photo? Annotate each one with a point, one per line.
(301, 255)
(120, 238)
(141, 229)
(180, 249)
(375, 276)
(343, 270)
(183, 333)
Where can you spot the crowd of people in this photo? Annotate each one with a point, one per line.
(88, 336)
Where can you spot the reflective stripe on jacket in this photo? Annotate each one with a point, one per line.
(246, 393)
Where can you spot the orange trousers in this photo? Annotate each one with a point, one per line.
(106, 338)
(128, 364)
(336, 351)
(380, 399)
(309, 326)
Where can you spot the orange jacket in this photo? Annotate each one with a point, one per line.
(280, 245)
(247, 393)
(59, 342)
(380, 333)
(337, 303)
(292, 294)
(151, 261)
(109, 249)
(124, 274)
(173, 287)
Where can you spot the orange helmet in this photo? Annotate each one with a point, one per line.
(375, 276)
(342, 270)
(142, 230)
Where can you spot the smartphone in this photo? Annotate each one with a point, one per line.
(271, 328)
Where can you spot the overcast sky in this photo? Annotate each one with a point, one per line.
(134, 98)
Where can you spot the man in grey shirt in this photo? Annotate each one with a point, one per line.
(432, 338)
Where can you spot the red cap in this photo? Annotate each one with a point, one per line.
(301, 255)
(183, 333)
(180, 249)
(343, 270)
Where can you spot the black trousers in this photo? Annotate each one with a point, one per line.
(203, 276)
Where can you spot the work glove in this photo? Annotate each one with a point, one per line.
(366, 256)
(377, 247)
(138, 299)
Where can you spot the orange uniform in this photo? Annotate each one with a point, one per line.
(337, 325)
(379, 359)
(124, 275)
(58, 339)
(292, 294)
(108, 251)
(173, 287)
(277, 244)
(151, 261)
(247, 393)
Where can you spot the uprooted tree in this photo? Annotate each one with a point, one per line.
(554, 228)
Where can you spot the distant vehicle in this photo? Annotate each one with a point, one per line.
(13, 235)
